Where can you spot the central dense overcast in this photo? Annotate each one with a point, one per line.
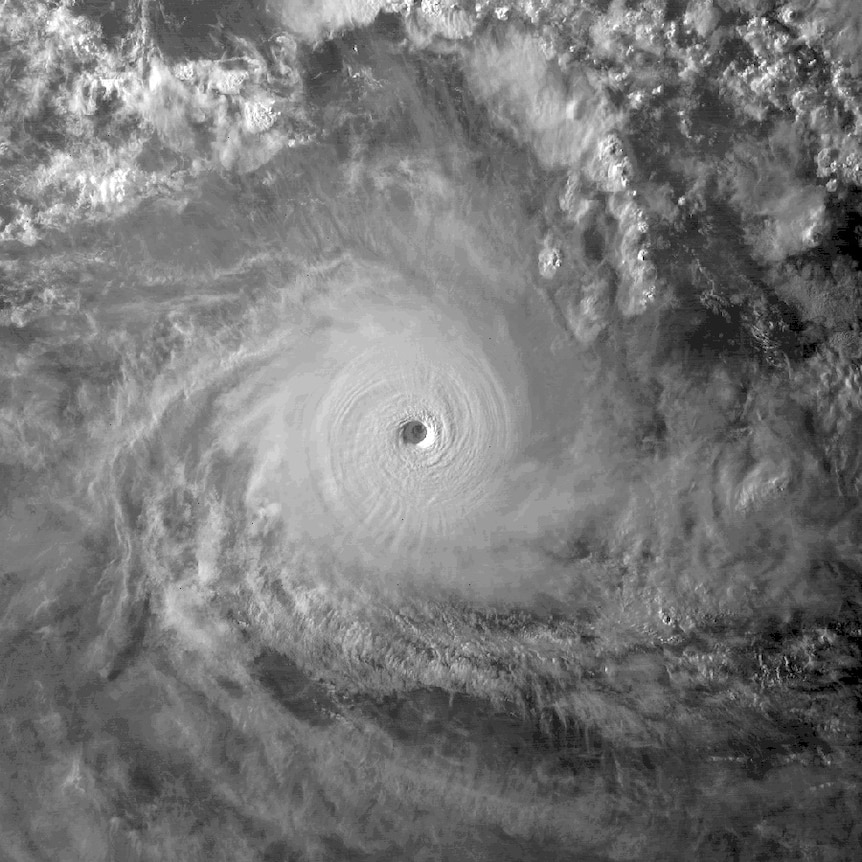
(430, 431)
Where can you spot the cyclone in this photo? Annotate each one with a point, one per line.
(396, 484)
(388, 433)
(430, 431)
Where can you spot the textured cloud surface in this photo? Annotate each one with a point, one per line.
(428, 436)
(393, 431)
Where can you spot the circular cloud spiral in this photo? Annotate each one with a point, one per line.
(388, 437)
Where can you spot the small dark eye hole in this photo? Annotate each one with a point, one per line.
(414, 432)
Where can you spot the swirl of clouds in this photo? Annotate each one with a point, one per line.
(392, 435)
(407, 450)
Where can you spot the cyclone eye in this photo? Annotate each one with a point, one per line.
(414, 432)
